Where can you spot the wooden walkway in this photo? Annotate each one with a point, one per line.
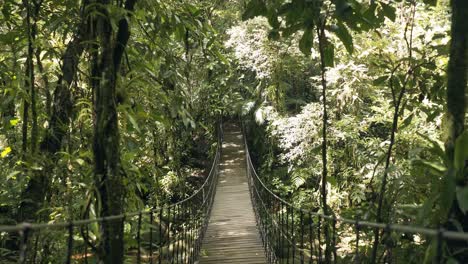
(232, 235)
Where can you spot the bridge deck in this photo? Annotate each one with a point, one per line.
(232, 235)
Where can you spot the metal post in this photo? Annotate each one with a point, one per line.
(287, 233)
(293, 237)
(70, 243)
(334, 240)
(161, 236)
(151, 237)
(301, 219)
(24, 235)
(440, 238)
(311, 237)
(139, 238)
(357, 227)
(319, 238)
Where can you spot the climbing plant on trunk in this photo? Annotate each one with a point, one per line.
(456, 144)
(110, 45)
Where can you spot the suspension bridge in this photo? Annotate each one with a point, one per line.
(234, 218)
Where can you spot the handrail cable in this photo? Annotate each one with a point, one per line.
(395, 227)
(34, 226)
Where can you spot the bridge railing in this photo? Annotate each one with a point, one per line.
(294, 235)
(168, 234)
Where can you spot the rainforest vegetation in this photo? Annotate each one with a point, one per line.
(352, 108)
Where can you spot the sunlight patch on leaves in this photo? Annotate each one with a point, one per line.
(5, 152)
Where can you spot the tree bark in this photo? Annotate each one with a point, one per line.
(32, 32)
(45, 79)
(62, 100)
(456, 74)
(27, 81)
(32, 11)
(322, 39)
(108, 172)
(456, 109)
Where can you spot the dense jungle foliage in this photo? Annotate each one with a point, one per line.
(354, 108)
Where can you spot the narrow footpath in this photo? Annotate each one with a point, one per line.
(232, 235)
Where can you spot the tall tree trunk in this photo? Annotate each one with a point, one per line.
(31, 29)
(456, 107)
(397, 107)
(106, 149)
(32, 32)
(27, 85)
(45, 80)
(322, 39)
(62, 100)
(457, 74)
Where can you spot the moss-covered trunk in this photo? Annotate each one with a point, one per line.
(457, 74)
(456, 106)
(108, 171)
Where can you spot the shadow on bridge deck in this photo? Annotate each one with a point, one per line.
(232, 235)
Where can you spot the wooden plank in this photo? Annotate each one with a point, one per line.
(232, 235)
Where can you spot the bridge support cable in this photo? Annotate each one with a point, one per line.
(168, 234)
(294, 235)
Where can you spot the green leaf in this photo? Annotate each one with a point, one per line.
(462, 198)
(298, 181)
(6, 10)
(305, 44)
(8, 38)
(439, 36)
(273, 35)
(381, 80)
(447, 192)
(430, 2)
(5, 152)
(452, 261)
(436, 147)
(254, 8)
(426, 209)
(407, 121)
(288, 31)
(430, 252)
(180, 33)
(341, 31)
(14, 122)
(433, 166)
(369, 16)
(273, 19)
(332, 180)
(221, 57)
(13, 175)
(461, 151)
(133, 121)
(458, 226)
(329, 54)
(343, 8)
(388, 11)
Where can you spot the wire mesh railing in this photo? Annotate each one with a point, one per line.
(168, 234)
(294, 235)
